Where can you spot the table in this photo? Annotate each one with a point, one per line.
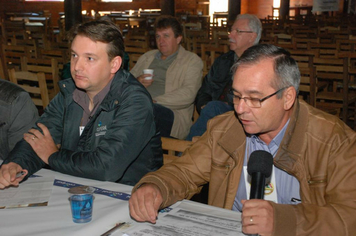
(56, 219)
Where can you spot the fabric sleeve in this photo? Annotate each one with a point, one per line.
(23, 153)
(184, 96)
(333, 210)
(183, 178)
(23, 116)
(129, 133)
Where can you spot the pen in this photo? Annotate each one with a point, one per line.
(110, 231)
(20, 174)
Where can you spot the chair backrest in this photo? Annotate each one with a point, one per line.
(2, 72)
(173, 147)
(61, 55)
(11, 56)
(34, 83)
(307, 87)
(209, 53)
(48, 66)
(13, 29)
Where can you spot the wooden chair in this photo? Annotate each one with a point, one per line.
(302, 43)
(326, 50)
(11, 56)
(123, 23)
(197, 42)
(2, 73)
(304, 58)
(34, 83)
(173, 147)
(61, 55)
(209, 53)
(307, 86)
(194, 31)
(335, 95)
(136, 46)
(48, 66)
(12, 29)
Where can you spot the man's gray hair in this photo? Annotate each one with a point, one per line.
(285, 67)
(254, 24)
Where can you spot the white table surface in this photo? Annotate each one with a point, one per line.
(56, 218)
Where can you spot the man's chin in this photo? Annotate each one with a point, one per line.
(80, 84)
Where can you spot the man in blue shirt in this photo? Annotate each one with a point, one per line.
(314, 157)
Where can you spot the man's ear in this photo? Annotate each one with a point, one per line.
(179, 39)
(253, 37)
(115, 64)
(289, 97)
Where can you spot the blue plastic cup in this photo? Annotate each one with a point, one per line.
(81, 203)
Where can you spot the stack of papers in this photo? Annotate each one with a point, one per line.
(35, 191)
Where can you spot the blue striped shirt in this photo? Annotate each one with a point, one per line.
(287, 185)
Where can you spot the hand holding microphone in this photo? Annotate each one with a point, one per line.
(259, 167)
(257, 215)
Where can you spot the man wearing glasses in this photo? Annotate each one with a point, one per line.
(314, 157)
(211, 99)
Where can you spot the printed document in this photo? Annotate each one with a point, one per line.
(191, 219)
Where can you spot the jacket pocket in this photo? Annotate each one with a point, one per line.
(317, 186)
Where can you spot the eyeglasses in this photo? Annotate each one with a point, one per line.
(240, 31)
(251, 102)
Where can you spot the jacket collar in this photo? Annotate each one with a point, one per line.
(110, 101)
(293, 143)
(231, 141)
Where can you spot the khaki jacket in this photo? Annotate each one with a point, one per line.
(318, 149)
(183, 80)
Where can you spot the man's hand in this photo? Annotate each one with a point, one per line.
(8, 175)
(145, 202)
(145, 82)
(42, 144)
(257, 217)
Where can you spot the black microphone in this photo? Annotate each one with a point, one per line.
(259, 167)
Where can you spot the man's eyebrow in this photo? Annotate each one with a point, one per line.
(249, 92)
(86, 54)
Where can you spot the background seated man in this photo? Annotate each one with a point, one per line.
(211, 99)
(314, 157)
(177, 78)
(18, 114)
(100, 126)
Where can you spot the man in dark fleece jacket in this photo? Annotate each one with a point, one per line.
(100, 126)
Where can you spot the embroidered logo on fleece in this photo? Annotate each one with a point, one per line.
(100, 130)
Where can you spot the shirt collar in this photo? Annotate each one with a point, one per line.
(80, 97)
(159, 54)
(276, 140)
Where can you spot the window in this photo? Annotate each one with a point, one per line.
(276, 5)
(44, 0)
(116, 0)
(218, 6)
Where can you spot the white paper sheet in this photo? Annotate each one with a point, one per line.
(191, 219)
(35, 191)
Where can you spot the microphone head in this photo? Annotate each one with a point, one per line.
(260, 161)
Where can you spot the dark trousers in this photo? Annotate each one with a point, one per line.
(211, 110)
(164, 119)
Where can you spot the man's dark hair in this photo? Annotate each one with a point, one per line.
(164, 22)
(102, 31)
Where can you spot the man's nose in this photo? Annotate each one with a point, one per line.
(78, 64)
(241, 107)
